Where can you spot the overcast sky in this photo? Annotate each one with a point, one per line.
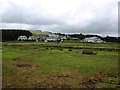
(64, 16)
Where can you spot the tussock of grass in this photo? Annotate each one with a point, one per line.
(46, 60)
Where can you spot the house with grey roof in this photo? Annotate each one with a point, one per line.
(33, 38)
(93, 39)
(22, 38)
(52, 38)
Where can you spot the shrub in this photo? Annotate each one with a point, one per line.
(47, 48)
(70, 50)
(89, 52)
(60, 49)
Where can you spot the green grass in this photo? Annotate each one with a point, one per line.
(104, 45)
(86, 64)
(73, 45)
(55, 60)
(11, 53)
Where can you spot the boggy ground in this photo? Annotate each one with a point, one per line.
(26, 75)
(36, 67)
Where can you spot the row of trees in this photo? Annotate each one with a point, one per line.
(107, 38)
(12, 35)
(111, 39)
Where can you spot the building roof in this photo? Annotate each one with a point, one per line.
(93, 38)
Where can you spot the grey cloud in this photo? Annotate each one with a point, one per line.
(19, 14)
(100, 19)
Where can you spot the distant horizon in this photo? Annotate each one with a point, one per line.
(61, 32)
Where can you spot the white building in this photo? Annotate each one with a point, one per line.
(63, 37)
(93, 39)
(22, 38)
(33, 38)
(52, 38)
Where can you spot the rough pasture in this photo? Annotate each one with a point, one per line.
(52, 65)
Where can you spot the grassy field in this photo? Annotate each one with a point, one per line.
(59, 65)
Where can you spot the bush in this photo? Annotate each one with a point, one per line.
(70, 50)
(89, 52)
(47, 48)
(60, 49)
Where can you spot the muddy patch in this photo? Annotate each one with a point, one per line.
(27, 76)
(23, 65)
(92, 81)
